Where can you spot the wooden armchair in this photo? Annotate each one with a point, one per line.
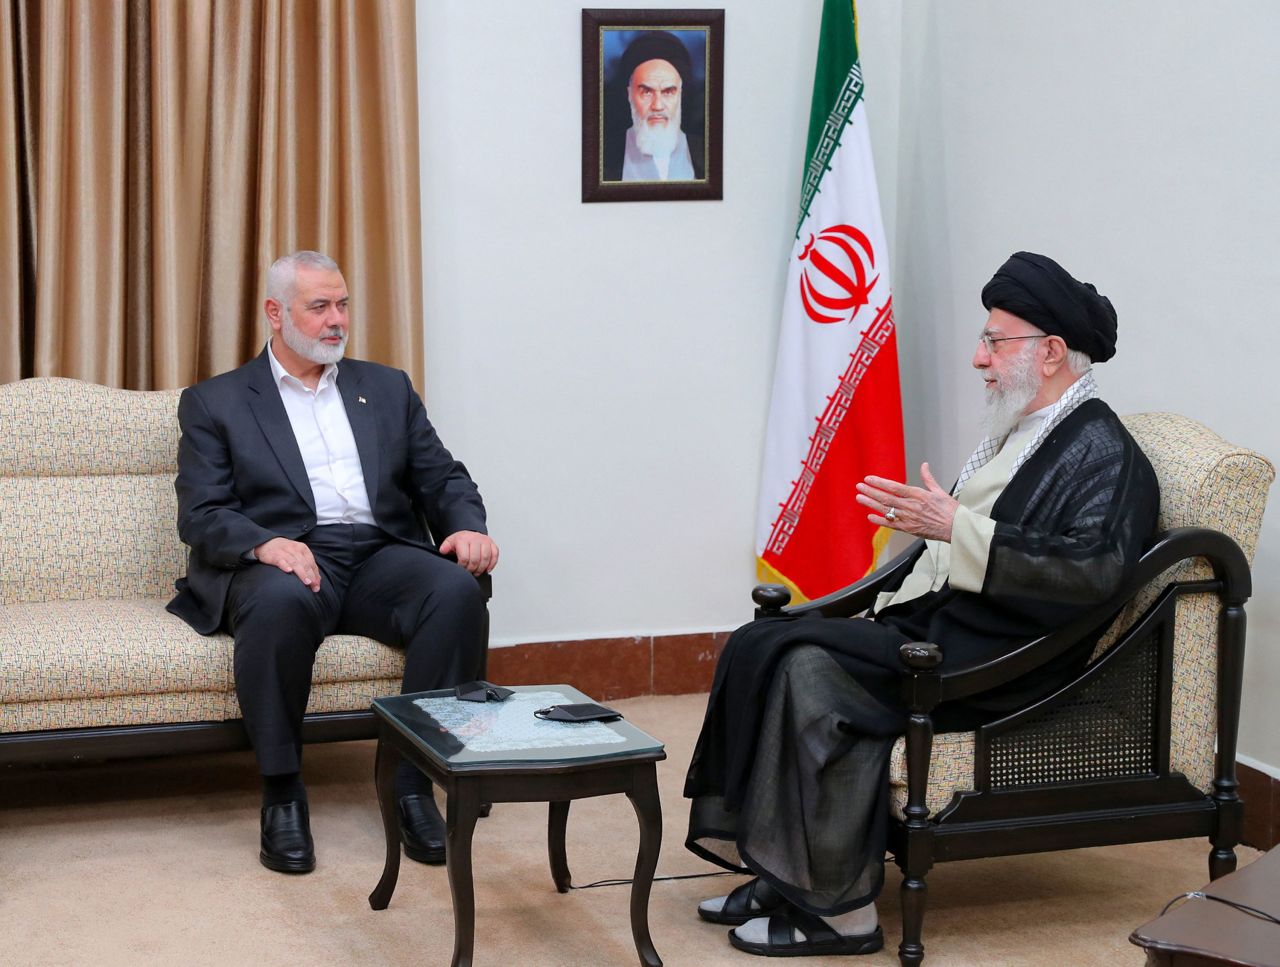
(1126, 752)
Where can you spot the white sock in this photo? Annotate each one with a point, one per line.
(716, 904)
(851, 924)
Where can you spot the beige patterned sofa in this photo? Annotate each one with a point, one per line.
(91, 664)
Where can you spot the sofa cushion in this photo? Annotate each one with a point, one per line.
(115, 710)
(352, 658)
(67, 538)
(65, 650)
(66, 428)
(87, 505)
(94, 649)
(344, 696)
(950, 769)
(1205, 481)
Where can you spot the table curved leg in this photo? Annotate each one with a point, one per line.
(644, 798)
(557, 821)
(384, 777)
(461, 814)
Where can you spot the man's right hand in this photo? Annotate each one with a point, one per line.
(292, 557)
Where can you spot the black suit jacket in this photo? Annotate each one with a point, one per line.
(241, 480)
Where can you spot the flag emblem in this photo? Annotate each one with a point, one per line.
(842, 275)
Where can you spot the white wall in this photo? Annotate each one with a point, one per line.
(604, 369)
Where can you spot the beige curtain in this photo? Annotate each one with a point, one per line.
(155, 157)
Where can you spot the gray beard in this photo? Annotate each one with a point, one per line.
(312, 350)
(656, 142)
(1008, 403)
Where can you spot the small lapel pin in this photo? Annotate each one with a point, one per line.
(362, 399)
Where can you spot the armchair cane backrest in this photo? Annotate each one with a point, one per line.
(87, 506)
(1204, 482)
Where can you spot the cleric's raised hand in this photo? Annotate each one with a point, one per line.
(926, 512)
(475, 551)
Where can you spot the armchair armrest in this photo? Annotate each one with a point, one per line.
(1231, 580)
(772, 599)
(484, 580)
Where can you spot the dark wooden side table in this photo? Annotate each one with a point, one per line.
(499, 752)
(1199, 932)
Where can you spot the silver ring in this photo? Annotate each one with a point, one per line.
(891, 515)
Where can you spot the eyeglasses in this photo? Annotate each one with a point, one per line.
(989, 341)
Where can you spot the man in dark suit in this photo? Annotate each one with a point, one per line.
(301, 477)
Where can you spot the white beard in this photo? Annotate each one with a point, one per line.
(1008, 401)
(310, 349)
(657, 141)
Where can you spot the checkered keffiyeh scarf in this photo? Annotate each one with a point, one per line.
(1085, 388)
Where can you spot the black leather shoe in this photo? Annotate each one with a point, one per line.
(421, 829)
(286, 838)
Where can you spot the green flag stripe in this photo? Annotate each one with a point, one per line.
(837, 52)
(828, 135)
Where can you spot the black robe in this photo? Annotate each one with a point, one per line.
(1070, 526)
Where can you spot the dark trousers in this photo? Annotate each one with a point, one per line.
(370, 585)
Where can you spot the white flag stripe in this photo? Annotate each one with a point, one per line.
(813, 358)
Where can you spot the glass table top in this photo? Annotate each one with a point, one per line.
(485, 734)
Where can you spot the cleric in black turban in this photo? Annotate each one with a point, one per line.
(654, 80)
(1047, 520)
(1038, 290)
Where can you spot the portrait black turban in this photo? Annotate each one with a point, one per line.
(1038, 290)
(656, 45)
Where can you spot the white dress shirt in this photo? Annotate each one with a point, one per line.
(324, 436)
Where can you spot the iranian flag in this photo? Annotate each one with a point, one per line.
(836, 413)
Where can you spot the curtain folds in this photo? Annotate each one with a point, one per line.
(155, 157)
(12, 209)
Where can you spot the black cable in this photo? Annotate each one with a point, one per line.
(1180, 896)
(1242, 907)
(674, 876)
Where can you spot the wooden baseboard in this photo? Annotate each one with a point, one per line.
(1261, 795)
(613, 668)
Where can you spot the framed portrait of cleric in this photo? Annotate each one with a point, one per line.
(652, 105)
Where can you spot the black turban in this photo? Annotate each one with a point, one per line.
(1038, 290)
(656, 45)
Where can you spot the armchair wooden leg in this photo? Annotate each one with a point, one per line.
(1222, 858)
(1221, 862)
(917, 856)
(1226, 795)
(911, 950)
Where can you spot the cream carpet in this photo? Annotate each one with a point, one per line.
(155, 862)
